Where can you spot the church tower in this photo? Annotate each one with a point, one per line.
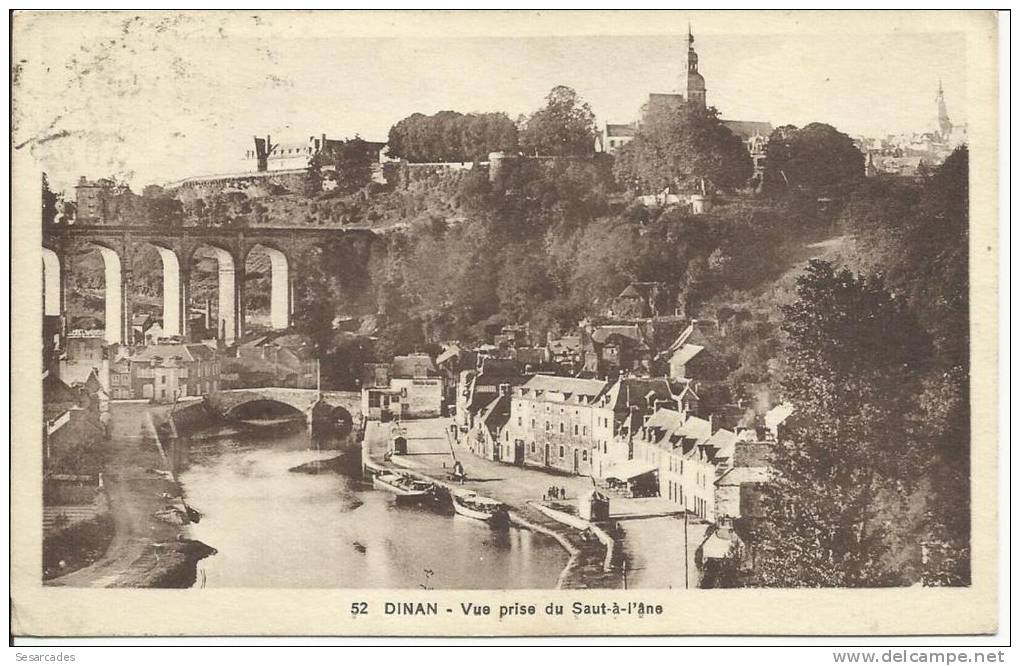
(694, 91)
(945, 128)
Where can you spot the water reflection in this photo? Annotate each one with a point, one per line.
(276, 528)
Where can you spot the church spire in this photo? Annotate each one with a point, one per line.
(943, 124)
(694, 88)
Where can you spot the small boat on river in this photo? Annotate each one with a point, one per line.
(472, 505)
(404, 486)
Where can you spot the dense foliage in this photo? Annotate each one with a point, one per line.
(543, 243)
(683, 146)
(348, 163)
(838, 510)
(564, 127)
(816, 157)
(449, 136)
(872, 480)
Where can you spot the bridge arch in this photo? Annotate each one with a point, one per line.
(174, 297)
(281, 283)
(117, 325)
(171, 301)
(229, 308)
(52, 283)
(343, 420)
(264, 408)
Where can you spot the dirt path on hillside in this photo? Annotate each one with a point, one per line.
(144, 550)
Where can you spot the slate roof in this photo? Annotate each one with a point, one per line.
(686, 353)
(55, 391)
(451, 352)
(201, 352)
(496, 414)
(498, 370)
(640, 289)
(629, 331)
(666, 419)
(723, 443)
(162, 351)
(568, 344)
(635, 390)
(571, 385)
(665, 98)
(745, 129)
(413, 365)
(615, 130)
(741, 475)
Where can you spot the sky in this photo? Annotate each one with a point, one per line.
(158, 97)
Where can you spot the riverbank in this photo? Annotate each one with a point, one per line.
(145, 551)
(430, 456)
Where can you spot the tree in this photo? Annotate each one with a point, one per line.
(683, 146)
(815, 157)
(917, 237)
(49, 202)
(161, 208)
(349, 160)
(565, 126)
(836, 510)
(449, 136)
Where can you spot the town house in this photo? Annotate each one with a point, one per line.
(686, 456)
(552, 422)
(409, 387)
(490, 439)
(164, 372)
(478, 388)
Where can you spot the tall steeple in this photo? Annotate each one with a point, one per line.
(944, 126)
(694, 90)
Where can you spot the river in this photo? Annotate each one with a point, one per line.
(276, 528)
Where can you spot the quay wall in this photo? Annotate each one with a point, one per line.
(589, 561)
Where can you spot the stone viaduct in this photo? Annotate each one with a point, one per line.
(118, 244)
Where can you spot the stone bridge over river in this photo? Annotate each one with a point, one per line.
(340, 407)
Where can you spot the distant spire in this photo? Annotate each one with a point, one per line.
(690, 35)
(942, 123)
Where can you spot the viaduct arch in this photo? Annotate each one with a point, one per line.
(118, 245)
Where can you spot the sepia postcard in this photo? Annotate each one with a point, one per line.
(512, 323)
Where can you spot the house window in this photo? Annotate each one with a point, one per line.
(532, 447)
(585, 431)
(561, 427)
(520, 421)
(575, 430)
(584, 456)
(532, 424)
(561, 452)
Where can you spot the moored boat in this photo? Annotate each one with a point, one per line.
(402, 485)
(472, 505)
